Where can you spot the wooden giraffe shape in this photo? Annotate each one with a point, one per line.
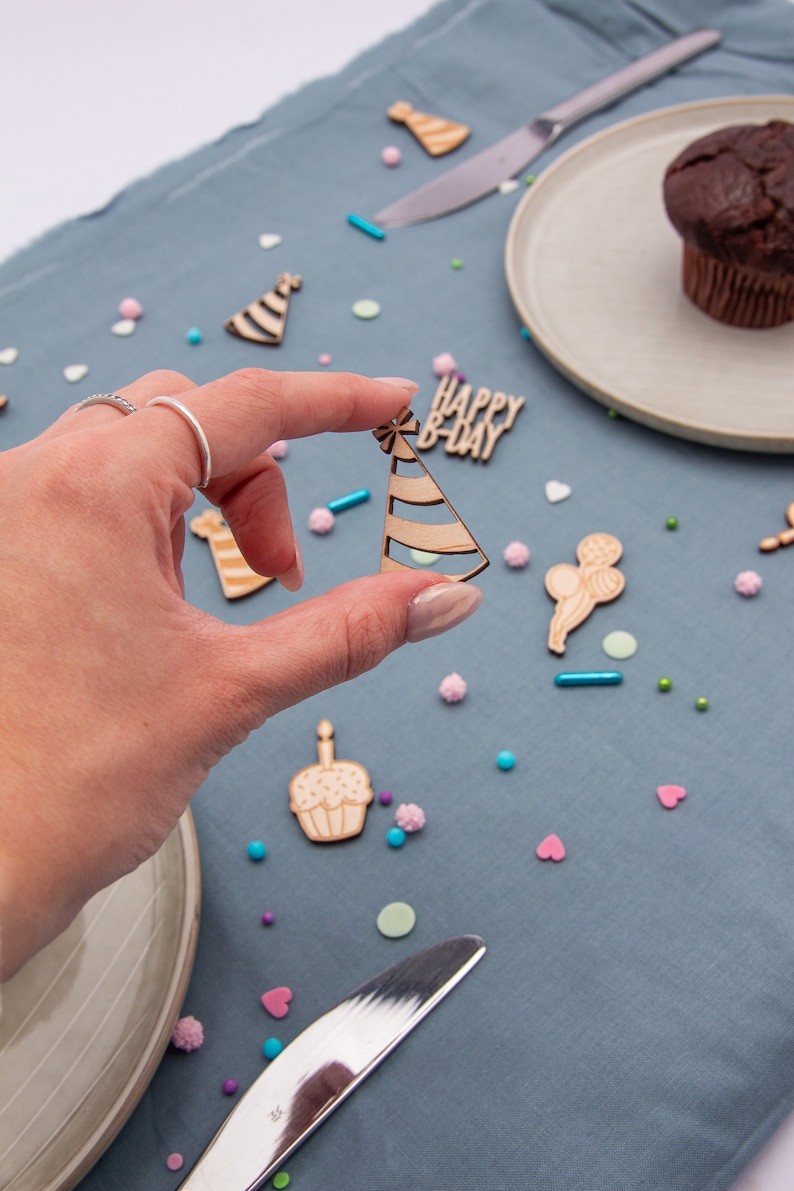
(434, 133)
(264, 320)
(577, 590)
(237, 578)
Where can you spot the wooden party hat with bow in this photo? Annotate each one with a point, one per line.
(264, 320)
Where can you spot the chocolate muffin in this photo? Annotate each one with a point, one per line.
(730, 196)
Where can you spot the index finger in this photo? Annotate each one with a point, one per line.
(243, 413)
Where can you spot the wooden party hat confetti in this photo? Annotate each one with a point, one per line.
(237, 578)
(577, 590)
(330, 799)
(434, 133)
(264, 320)
(449, 537)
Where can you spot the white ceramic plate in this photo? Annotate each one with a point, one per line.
(593, 267)
(85, 1023)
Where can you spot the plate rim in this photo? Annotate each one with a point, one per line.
(690, 430)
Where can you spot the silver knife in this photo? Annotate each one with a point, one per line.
(482, 173)
(323, 1065)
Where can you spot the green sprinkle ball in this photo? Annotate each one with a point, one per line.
(457, 263)
(671, 523)
(530, 179)
(612, 413)
(702, 703)
(281, 1179)
(665, 684)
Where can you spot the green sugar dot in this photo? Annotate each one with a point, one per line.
(396, 919)
(619, 645)
(665, 684)
(672, 523)
(366, 308)
(281, 1179)
(702, 703)
(457, 263)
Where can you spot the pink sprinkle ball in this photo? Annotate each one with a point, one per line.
(175, 1161)
(748, 583)
(409, 816)
(324, 359)
(444, 364)
(278, 449)
(516, 554)
(268, 918)
(130, 308)
(453, 688)
(187, 1034)
(391, 155)
(321, 520)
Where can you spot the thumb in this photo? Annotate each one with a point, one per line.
(337, 636)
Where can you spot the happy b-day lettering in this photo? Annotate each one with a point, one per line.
(469, 434)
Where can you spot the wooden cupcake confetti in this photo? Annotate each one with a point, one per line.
(237, 578)
(330, 799)
(577, 590)
(434, 133)
(264, 320)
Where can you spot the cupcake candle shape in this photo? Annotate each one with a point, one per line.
(331, 798)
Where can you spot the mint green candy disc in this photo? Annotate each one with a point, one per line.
(619, 645)
(366, 308)
(396, 919)
(423, 558)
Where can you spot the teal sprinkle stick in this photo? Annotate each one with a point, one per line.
(589, 678)
(376, 232)
(346, 502)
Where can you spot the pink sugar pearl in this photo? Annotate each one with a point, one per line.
(391, 155)
(175, 1161)
(188, 1034)
(748, 583)
(278, 449)
(516, 554)
(324, 359)
(444, 364)
(130, 308)
(321, 520)
(453, 688)
(409, 816)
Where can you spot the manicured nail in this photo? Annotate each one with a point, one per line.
(439, 608)
(402, 382)
(292, 580)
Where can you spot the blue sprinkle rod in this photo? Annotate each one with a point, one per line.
(346, 502)
(376, 232)
(589, 678)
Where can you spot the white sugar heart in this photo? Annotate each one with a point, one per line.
(557, 491)
(8, 355)
(75, 372)
(508, 186)
(269, 240)
(125, 326)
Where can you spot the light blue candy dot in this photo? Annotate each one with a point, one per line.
(194, 335)
(525, 333)
(257, 850)
(395, 837)
(505, 760)
(272, 1047)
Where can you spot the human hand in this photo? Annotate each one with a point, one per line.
(117, 695)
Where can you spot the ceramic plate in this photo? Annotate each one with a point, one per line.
(593, 269)
(85, 1023)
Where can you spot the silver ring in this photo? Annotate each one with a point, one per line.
(121, 403)
(195, 426)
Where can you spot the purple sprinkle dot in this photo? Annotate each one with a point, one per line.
(461, 377)
(175, 1161)
(229, 1087)
(268, 918)
(385, 797)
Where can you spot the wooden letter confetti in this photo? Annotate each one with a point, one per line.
(467, 435)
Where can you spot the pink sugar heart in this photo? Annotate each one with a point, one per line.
(276, 1001)
(670, 796)
(551, 848)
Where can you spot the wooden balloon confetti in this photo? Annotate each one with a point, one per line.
(448, 537)
(784, 538)
(237, 578)
(264, 320)
(473, 430)
(330, 799)
(577, 590)
(434, 133)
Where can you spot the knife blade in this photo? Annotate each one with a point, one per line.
(477, 176)
(324, 1064)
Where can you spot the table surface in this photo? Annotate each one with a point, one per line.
(91, 96)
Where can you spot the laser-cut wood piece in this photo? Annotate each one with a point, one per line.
(330, 799)
(577, 590)
(237, 578)
(784, 538)
(450, 537)
(434, 133)
(470, 428)
(264, 320)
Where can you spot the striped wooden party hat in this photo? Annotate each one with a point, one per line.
(263, 321)
(237, 578)
(434, 133)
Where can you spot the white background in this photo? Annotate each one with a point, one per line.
(96, 93)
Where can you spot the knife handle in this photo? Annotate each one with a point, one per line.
(630, 77)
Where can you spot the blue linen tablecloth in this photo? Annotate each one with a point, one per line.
(632, 1025)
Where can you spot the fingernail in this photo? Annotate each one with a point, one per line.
(439, 608)
(292, 580)
(402, 382)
